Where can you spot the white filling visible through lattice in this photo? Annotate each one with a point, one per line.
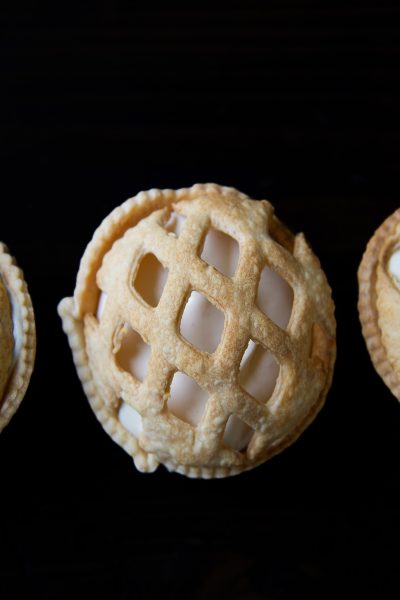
(258, 374)
(202, 323)
(394, 266)
(187, 399)
(175, 223)
(17, 328)
(275, 297)
(221, 251)
(133, 354)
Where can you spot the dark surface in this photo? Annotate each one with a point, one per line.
(292, 101)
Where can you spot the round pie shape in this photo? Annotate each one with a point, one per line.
(18, 337)
(379, 302)
(305, 350)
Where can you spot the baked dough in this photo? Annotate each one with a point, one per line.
(379, 302)
(305, 351)
(18, 337)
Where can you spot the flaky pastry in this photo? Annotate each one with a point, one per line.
(107, 307)
(379, 300)
(18, 337)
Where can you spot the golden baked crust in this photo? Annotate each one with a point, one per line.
(17, 380)
(379, 303)
(305, 351)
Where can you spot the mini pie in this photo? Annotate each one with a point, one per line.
(17, 337)
(217, 420)
(379, 300)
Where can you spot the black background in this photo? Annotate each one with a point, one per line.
(292, 101)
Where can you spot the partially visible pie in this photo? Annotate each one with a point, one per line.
(17, 337)
(379, 300)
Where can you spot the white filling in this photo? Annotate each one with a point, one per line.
(101, 305)
(133, 355)
(175, 223)
(275, 297)
(17, 329)
(258, 372)
(258, 369)
(237, 434)
(187, 399)
(130, 419)
(202, 323)
(394, 266)
(221, 251)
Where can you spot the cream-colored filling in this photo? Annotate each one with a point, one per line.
(187, 399)
(278, 304)
(258, 372)
(17, 329)
(221, 251)
(175, 223)
(133, 354)
(394, 266)
(202, 324)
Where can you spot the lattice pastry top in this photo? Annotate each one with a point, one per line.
(379, 300)
(109, 306)
(17, 337)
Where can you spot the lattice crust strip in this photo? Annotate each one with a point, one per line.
(20, 302)
(305, 351)
(379, 303)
